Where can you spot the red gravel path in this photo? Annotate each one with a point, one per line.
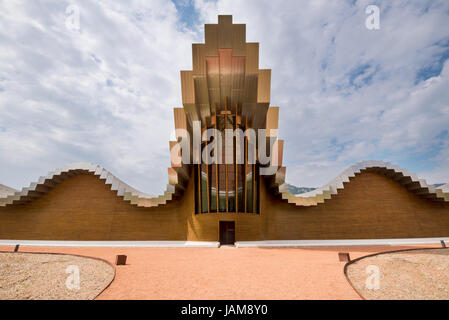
(226, 273)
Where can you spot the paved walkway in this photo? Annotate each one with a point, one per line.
(227, 272)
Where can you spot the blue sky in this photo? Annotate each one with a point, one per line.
(187, 13)
(105, 93)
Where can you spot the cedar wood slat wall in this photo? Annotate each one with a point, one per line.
(370, 206)
(84, 208)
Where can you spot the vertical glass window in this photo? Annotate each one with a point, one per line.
(227, 187)
(241, 187)
(204, 190)
(222, 188)
(245, 187)
(231, 188)
(213, 187)
(197, 194)
(249, 188)
(256, 189)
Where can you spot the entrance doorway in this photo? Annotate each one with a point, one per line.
(227, 232)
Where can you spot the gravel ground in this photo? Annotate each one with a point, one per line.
(418, 274)
(219, 273)
(44, 276)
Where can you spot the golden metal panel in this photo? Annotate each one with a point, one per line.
(264, 86)
(191, 112)
(260, 115)
(252, 57)
(238, 79)
(238, 40)
(187, 87)
(225, 19)
(279, 146)
(272, 119)
(238, 72)
(225, 73)
(250, 88)
(281, 152)
(213, 72)
(180, 118)
(279, 177)
(225, 32)
(172, 176)
(237, 95)
(211, 39)
(201, 90)
(175, 155)
(198, 58)
(214, 96)
(248, 110)
(204, 111)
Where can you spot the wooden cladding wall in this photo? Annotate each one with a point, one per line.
(84, 208)
(204, 227)
(370, 206)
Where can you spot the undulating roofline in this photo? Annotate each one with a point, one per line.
(45, 183)
(6, 191)
(141, 199)
(409, 180)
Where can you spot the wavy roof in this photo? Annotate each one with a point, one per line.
(6, 191)
(9, 196)
(403, 176)
(45, 183)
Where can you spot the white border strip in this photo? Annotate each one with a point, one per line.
(214, 244)
(333, 243)
(132, 244)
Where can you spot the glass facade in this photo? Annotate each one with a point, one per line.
(232, 187)
(245, 200)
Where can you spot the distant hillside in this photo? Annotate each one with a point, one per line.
(297, 190)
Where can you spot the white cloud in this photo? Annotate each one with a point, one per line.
(105, 93)
(347, 93)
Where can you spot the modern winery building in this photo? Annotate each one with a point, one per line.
(244, 196)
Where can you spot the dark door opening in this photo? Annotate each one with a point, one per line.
(227, 232)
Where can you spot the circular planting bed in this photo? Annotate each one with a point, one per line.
(52, 276)
(412, 274)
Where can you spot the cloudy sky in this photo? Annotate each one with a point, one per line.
(104, 93)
